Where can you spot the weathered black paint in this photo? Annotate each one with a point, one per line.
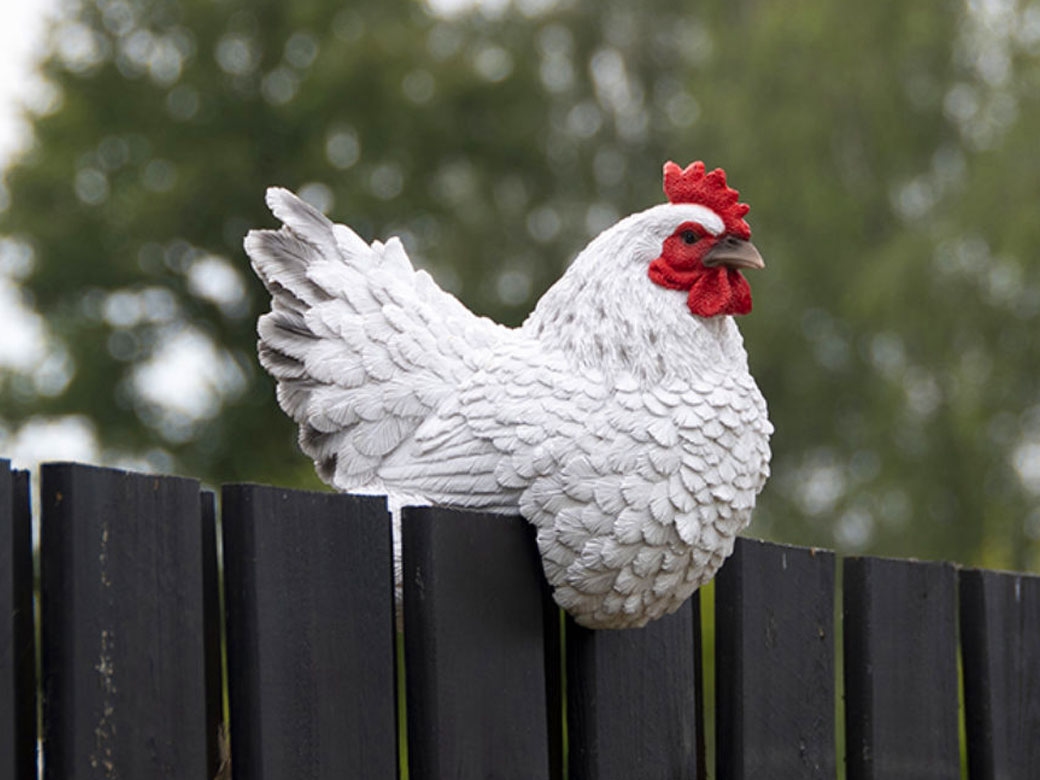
(310, 645)
(1000, 641)
(17, 638)
(474, 647)
(774, 663)
(632, 699)
(131, 650)
(900, 620)
(123, 625)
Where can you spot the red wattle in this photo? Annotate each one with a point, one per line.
(713, 291)
(720, 291)
(665, 274)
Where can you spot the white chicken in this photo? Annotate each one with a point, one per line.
(620, 419)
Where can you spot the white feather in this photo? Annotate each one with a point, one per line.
(628, 431)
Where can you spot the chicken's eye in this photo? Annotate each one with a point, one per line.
(689, 237)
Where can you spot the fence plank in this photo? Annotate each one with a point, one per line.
(774, 635)
(900, 669)
(632, 699)
(1000, 640)
(123, 647)
(555, 695)
(212, 623)
(474, 646)
(310, 645)
(17, 637)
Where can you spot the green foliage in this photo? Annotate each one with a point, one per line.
(887, 149)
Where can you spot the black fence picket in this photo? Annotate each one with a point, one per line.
(496, 684)
(774, 663)
(123, 625)
(1000, 641)
(17, 638)
(632, 699)
(475, 660)
(900, 643)
(213, 638)
(310, 638)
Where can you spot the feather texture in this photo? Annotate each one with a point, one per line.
(626, 430)
(363, 347)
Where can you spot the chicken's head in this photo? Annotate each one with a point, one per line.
(705, 257)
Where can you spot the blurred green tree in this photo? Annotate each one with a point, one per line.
(888, 151)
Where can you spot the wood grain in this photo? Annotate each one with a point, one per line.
(900, 646)
(310, 643)
(632, 699)
(474, 647)
(17, 636)
(774, 636)
(1000, 641)
(123, 625)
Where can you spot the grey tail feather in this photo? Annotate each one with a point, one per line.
(281, 259)
(297, 213)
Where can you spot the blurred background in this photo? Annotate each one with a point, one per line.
(889, 152)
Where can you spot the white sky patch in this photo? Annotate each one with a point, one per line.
(214, 279)
(855, 529)
(1026, 460)
(127, 308)
(450, 7)
(51, 438)
(189, 376)
(23, 338)
(822, 489)
(22, 26)
(491, 9)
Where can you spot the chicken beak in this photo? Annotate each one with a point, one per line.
(735, 253)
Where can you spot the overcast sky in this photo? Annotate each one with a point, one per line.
(21, 42)
(22, 24)
(23, 337)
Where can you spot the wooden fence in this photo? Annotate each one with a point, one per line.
(494, 684)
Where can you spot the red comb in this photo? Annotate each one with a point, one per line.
(693, 185)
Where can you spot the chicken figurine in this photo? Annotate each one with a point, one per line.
(620, 419)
